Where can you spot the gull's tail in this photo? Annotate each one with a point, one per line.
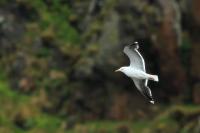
(153, 77)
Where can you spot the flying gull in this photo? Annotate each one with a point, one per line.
(136, 71)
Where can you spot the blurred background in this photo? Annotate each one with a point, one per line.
(57, 62)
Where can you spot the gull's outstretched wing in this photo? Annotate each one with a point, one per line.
(136, 59)
(144, 89)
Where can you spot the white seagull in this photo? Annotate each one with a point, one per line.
(136, 71)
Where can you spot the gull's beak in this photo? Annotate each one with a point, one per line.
(117, 70)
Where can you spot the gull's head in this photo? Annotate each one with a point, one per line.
(121, 69)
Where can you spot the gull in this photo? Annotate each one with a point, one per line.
(136, 71)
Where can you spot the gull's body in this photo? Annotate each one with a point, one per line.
(136, 71)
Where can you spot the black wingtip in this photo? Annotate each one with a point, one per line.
(147, 93)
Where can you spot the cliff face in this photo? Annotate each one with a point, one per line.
(69, 50)
(57, 60)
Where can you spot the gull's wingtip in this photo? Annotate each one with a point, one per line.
(134, 45)
(152, 102)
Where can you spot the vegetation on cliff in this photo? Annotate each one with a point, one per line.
(57, 60)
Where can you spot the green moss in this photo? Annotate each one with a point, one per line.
(6, 93)
(44, 52)
(11, 102)
(109, 126)
(56, 16)
(4, 2)
(46, 122)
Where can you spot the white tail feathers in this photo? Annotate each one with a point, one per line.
(154, 78)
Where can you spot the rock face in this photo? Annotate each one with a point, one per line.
(11, 29)
(70, 50)
(195, 64)
(109, 43)
(167, 41)
(196, 93)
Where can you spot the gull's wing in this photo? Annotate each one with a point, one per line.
(136, 59)
(143, 88)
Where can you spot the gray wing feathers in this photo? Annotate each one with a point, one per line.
(136, 60)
